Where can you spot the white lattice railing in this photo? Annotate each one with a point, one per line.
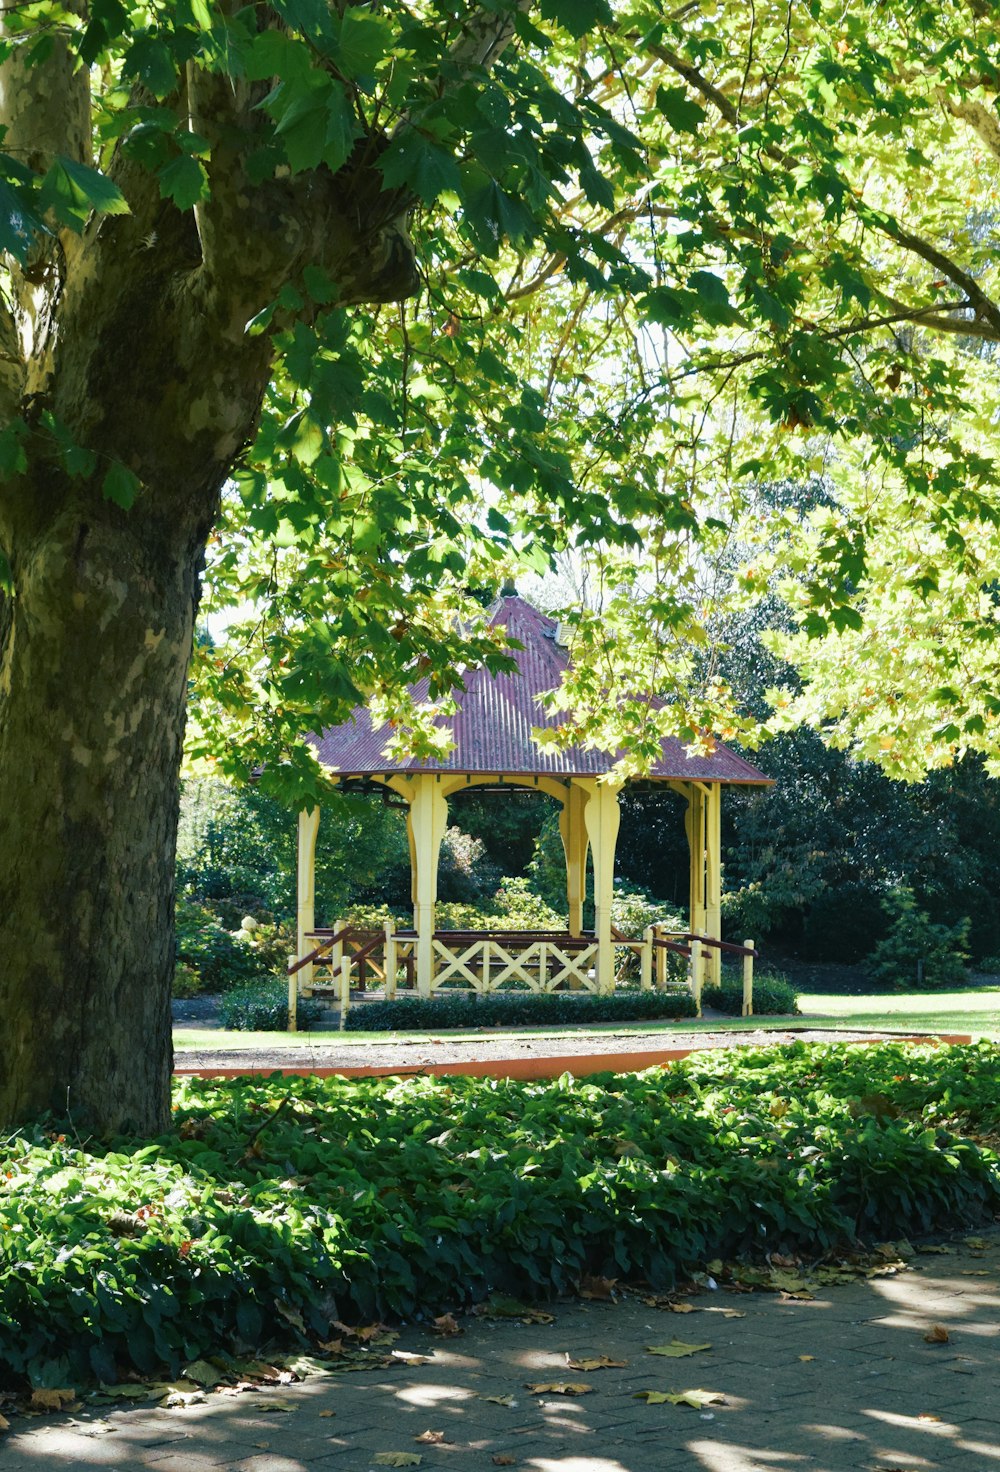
(486, 962)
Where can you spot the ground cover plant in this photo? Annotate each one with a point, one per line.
(279, 1206)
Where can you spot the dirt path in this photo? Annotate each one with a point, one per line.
(588, 1050)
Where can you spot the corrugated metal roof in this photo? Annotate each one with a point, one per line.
(492, 726)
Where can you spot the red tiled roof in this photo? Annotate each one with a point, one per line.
(492, 726)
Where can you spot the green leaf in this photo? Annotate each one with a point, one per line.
(314, 122)
(681, 112)
(121, 485)
(184, 180)
(277, 54)
(19, 225)
(152, 63)
(361, 40)
(713, 298)
(72, 190)
(578, 16)
(412, 161)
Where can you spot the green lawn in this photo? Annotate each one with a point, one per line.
(976, 1011)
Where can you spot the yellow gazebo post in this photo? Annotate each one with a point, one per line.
(576, 843)
(427, 820)
(602, 818)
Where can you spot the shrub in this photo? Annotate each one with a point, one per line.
(186, 983)
(917, 954)
(261, 1005)
(773, 995)
(516, 1009)
(220, 957)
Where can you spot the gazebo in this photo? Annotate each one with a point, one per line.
(494, 748)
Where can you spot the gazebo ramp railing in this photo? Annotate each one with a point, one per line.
(347, 959)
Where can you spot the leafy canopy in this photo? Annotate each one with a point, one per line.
(665, 261)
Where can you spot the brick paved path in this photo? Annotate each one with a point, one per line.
(841, 1383)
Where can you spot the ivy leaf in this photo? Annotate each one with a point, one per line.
(72, 190)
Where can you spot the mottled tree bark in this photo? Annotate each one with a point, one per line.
(133, 338)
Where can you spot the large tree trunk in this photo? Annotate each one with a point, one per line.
(129, 344)
(97, 643)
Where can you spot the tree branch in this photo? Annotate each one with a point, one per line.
(985, 308)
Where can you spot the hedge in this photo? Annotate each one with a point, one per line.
(516, 1009)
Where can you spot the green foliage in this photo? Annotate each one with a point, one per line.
(916, 954)
(297, 1201)
(457, 1008)
(220, 958)
(237, 853)
(187, 982)
(261, 1005)
(809, 862)
(773, 995)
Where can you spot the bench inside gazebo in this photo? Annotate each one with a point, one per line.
(493, 749)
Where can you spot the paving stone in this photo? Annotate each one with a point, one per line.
(864, 1398)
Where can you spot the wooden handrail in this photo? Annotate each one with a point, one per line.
(324, 945)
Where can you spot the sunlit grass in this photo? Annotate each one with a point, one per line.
(975, 1011)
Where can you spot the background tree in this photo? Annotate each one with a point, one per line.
(660, 259)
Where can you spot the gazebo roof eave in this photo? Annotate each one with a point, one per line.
(527, 778)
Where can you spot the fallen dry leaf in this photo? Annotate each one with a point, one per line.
(446, 1324)
(928, 1416)
(51, 1400)
(978, 1244)
(676, 1349)
(397, 1459)
(696, 1398)
(940, 1250)
(501, 1307)
(179, 1400)
(598, 1362)
(501, 1459)
(274, 1405)
(805, 1358)
(432, 1438)
(405, 1357)
(560, 1387)
(328, 1413)
(601, 1288)
(500, 1400)
(4, 1424)
(203, 1374)
(937, 1334)
(727, 1313)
